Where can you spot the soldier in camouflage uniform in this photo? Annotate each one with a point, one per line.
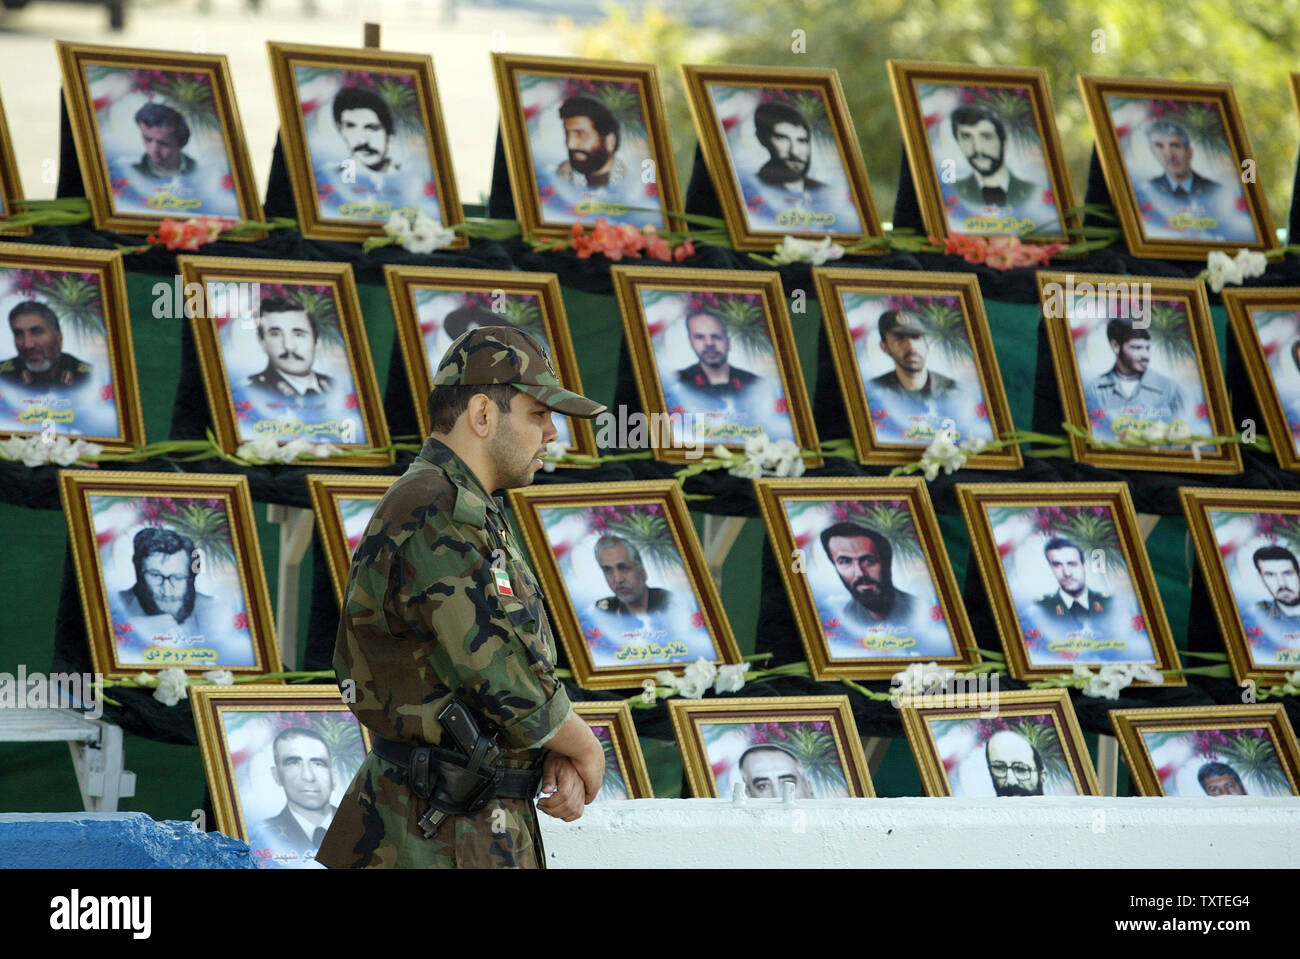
(440, 602)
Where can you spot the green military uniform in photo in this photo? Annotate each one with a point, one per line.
(427, 615)
(66, 371)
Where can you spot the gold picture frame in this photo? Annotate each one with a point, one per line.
(1230, 732)
(1011, 714)
(238, 728)
(648, 178)
(1183, 326)
(836, 500)
(824, 725)
(1225, 525)
(1258, 358)
(651, 520)
(55, 277)
(406, 87)
(229, 296)
(530, 301)
(1117, 107)
(339, 503)
(809, 97)
(163, 512)
(11, 187)
(731, 298)
(626, 776)
(1043, 637)
(925, 302)
(128, 78)
(992, 100)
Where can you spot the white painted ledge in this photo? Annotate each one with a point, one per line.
(1045, 832)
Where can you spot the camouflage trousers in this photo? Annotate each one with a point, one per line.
(376, 826)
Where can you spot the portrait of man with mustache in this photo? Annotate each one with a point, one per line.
(289, 335)
(982, 138)
(863, 560)
(591, 135)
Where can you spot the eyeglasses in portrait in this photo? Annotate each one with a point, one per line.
(278, 762)
(66, 363)
(1214, 751)
(808, 744)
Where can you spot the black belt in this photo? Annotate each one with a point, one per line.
(514, 784)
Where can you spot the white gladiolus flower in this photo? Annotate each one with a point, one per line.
(1250, 263)
(973, 445)
(220, 677)
(731, 678)
(264, 449)
(173, 686)
(816, 252)
(398, 226)
(1223, 269)
(919, 677)
(666, 678)
(557, 449)
(1146, 673)
(146, 679)
(291, 450)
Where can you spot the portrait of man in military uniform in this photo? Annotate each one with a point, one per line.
(1131, 387)
(903, 338)
(1172, 148)
(41, 363)
(1073, 604)
(863, 558)
(625, 574)
(304, 768)
(713, 375)
(982, 138)
(289, 335)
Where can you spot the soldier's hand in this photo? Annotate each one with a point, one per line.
(568, 793)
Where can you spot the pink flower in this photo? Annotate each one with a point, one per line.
(728, 123)
(1049, 198)
(1241, 203)
(102, 539)
(227, 182)
(1201, 411)
(430, 188)
(1096, 416)
(1123, 130)
(532, 111)
(981, 410)
(931, 119)
(1138, 625)
(780, 404)
(1033, 634)
(697, 620)
(350, 401)
(593, 633)
(309, 106)
(106, 392)
(936, 613)
(652, 190)
(240, 622)
(683, 250)
(655, 328)
(832, 623)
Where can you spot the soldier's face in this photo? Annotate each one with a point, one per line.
(167, 577)
(1172, 154)
(1225, 785)
(289, 342)
(790, 145)
(162, 144)
(1281, 579)
(302, 768)
(1067, 567)
(624, 575)
(981, 146)
(519, 443)
(908, 350)
(1134, 356)
(709, 339)
(365, 136)
(38, 345)
(766, 771)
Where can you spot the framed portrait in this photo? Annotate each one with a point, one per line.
(343, 506)
(983, 149)
(1210, 750)
(170, 572)
(629, 588)
(363, 138)
(67, 367)
(763, 743)
(157, 135)
(1023, 743)
(780, 147)
(1172, 154)
(278, 760)
(1247, 544)
(432, 307)
(11, 188)
(1266, 324)
(1067, 576)
(870, 583)
(626, 776)
(914, 358)
(585, 139)
(1133, 354)
(283, 351)
(714, 359)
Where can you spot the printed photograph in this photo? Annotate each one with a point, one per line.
(808, 744)
(626, 776)
(364, 138)
(343, 506)
(585, 139)
(983, 148)
(1024, 743)
(1266, 325)
(1067, 576)
(1172, 156)
(157, 136)
(66, 361)
(279, 762)
(626, 579)
(872, 589)
(11, 188)
(781, 150)
(433, 307)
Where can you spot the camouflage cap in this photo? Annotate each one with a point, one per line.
(493, 355)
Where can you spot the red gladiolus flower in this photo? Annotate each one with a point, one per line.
(350, 401)
(240, 621)
(683, 250)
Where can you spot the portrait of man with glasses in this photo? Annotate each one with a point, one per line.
(164, 604)
(1015, 766)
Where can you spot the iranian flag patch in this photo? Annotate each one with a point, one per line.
(503, 581)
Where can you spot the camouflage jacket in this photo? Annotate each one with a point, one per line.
(422, 618)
